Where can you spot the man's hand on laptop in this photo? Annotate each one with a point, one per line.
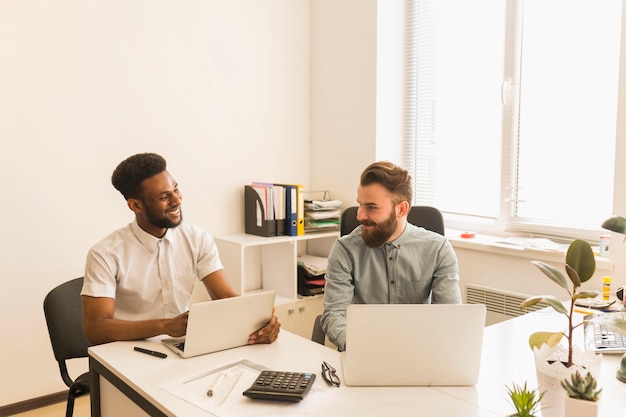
(177, 326)
(267, 334)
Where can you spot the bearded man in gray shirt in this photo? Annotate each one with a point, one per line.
(386, 260)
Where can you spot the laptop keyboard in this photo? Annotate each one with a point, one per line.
(603, 340)
(279, 385)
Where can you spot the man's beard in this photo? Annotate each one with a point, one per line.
(381, 232)
(162, 222)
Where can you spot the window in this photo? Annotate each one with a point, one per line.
(511, 112)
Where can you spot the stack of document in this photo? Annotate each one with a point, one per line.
(314, 265)
(311, 271)
(322, 215)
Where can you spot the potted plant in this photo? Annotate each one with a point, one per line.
(553, 360)
(582, 395)
(580, 265)
(525, 400)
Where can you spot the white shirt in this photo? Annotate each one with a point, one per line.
(149, 277)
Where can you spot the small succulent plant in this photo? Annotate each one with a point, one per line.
(582, 388)
(525, 400)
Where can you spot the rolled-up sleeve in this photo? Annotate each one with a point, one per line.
(445, 287)
(338, 294)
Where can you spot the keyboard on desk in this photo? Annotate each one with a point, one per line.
(278, 385)
(602, 339)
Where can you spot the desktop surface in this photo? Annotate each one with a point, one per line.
(506, 359)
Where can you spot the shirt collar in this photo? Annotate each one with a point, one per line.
(400, 239)
(147, 240)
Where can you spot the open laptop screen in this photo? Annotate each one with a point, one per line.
(413, 344)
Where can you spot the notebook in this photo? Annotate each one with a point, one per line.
(602, 339)
(223, 324)
(413, 344)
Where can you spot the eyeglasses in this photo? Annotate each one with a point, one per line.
(330, 374)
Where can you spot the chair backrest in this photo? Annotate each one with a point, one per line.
(318, 333)
(427, 217)
(64, 317)
(348, 221)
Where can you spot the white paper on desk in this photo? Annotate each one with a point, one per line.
(193, 389)
(531, 243)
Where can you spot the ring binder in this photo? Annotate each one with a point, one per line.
(274, 209)
(256, 218)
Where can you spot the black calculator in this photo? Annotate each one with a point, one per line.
(280, 386)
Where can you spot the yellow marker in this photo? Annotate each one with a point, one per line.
(606, 288)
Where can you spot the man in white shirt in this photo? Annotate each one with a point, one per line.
(139, 279)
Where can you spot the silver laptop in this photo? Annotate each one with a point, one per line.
(413, 344)
(223, 324)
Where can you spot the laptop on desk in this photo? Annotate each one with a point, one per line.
(222, 324)
(413, 344)
(602, 339)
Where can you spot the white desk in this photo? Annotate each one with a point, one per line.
(129, 383)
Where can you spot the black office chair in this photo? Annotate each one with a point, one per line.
(427, 217)
(64, 317)
(318, 333)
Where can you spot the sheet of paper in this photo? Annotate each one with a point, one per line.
(531, 243)
(227, 400)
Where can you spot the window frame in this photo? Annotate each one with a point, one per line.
(506, 222)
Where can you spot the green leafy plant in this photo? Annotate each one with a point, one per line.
(525, 400)
(580, 265)
(582, 388)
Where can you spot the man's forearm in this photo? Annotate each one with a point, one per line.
(109, 330)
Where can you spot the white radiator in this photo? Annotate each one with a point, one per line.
(501, 305)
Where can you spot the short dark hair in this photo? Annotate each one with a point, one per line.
(129, 174)
(394, 178)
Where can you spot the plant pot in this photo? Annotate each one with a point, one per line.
(551, 370)
(516, 415)
(580, 408)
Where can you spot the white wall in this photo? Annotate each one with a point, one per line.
(343, 82)
(220, 88)
(357, 90)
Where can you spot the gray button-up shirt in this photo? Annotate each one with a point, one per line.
(419, 267)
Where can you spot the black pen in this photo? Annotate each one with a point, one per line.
(150, 352)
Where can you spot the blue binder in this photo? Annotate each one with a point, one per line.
(291, 208)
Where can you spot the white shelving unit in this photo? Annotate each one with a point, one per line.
(254, 263)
